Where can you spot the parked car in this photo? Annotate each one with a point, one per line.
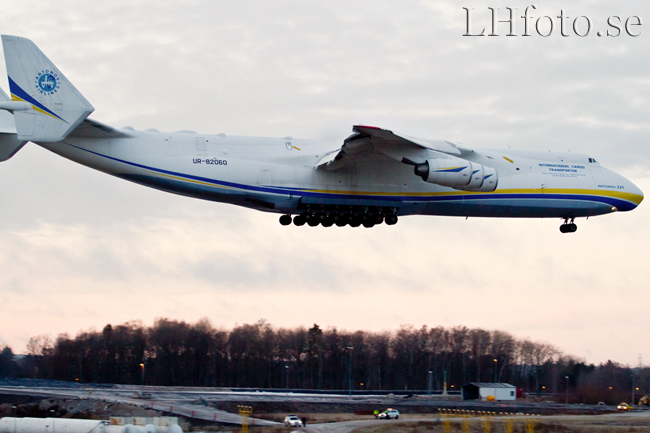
(388, 414)
(624, 406)
(292, 421)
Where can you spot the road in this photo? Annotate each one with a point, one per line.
(164, 402)
(193, 403)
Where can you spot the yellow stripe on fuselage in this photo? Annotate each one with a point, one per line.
(190, 180)
(634, 198)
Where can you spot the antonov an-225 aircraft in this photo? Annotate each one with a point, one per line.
(374, 177)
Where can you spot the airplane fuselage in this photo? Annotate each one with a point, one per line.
(280, 175)
(373, 177)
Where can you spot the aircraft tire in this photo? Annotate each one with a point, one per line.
(568, 228)
(313, 222)
(285, 220)
(327, 222)
(299, 220)
(391, 219)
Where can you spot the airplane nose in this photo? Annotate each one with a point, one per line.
(636, 191)
(624, 194)
(632, 195)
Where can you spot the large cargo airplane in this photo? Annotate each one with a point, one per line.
(374, 177)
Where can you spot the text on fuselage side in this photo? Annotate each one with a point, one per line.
(209, 161)
(563, 167)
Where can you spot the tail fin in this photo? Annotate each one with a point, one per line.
(46, 106)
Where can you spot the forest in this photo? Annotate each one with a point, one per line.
(259, 355)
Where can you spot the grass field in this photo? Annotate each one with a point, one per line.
(559, 424)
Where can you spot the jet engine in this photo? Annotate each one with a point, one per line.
(459, 174)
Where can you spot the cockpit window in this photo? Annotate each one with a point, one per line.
(592, 160)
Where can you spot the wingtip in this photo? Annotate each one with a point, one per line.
(367, 127)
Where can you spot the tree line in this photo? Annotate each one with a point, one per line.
(176, 353)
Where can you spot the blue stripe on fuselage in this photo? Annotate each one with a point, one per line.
(620, 204)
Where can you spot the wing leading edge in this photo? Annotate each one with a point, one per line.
(435, 161)
(369, 142)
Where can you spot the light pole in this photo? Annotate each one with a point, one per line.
(142, 374)
(566, 397)
(350, 349)
(430, 382)
(633, 389)
(286, 369)
(495, 370)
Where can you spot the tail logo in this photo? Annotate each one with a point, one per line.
(47, 82)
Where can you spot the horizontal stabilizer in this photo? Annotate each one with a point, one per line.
(9, 143)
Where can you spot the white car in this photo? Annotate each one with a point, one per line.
(388, 414)
(292, 421)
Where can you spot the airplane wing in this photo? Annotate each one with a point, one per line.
(93, 129)
(369, 142)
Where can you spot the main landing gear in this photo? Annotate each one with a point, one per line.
(353, 218)
(568, 227)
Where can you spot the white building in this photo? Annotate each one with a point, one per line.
(481, 391)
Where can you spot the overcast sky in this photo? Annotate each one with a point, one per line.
(80, 249)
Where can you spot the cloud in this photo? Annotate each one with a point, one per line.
(82, 249)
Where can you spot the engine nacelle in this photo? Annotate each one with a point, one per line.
(459, 174)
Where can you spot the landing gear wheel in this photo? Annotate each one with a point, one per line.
(320, 216)
(285, 220)
(391, 219)
(568, 227)
(299, 221)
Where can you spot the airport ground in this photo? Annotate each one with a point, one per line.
(210, 409)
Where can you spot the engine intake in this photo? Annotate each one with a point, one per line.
(459, 174)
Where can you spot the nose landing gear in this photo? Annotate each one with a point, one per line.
(568, 227)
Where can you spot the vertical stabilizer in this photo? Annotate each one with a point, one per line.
(46, 106)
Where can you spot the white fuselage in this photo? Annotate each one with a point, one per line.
(279, 175)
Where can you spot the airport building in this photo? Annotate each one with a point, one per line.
(483, 391)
